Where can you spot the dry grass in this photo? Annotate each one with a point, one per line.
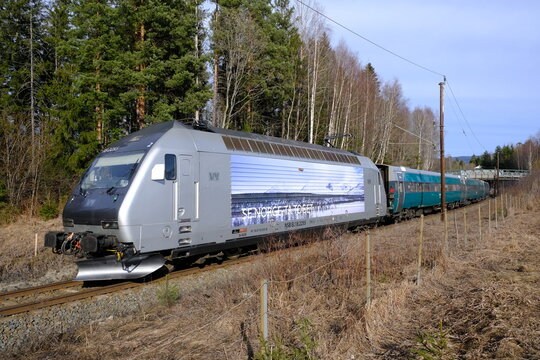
(18, 265)
(485, 293)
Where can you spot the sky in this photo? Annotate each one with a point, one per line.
(489, 51)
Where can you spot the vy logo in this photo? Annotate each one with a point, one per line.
(214, 176)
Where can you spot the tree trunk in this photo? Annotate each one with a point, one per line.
(215, 99)
(364, 122)
(99, 112)
(140, 106)
(32, 115)
(347, 115)
(313, 94)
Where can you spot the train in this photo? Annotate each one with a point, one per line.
(175, 192)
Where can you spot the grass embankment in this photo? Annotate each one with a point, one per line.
(478, 299)
(19, 265)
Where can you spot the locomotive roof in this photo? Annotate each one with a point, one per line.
(140, 140)
(246, 135)
(256, 143)
(237, 140)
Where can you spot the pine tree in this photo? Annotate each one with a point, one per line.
(22, 62)
(59, 96)
(280, 60)
(163, 75)
(95, 46)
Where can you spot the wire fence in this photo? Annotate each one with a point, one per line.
(348, 272)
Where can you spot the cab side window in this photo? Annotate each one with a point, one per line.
(170, 167)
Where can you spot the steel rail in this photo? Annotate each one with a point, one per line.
(39, 289)
(21, 308)
(63, 299)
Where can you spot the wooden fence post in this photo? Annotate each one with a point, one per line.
(35, 245)
(465, 226)
(480, 222)
(264, 309)
(368, 270)
(456, 227)
(496, 217)
(489, 216)
(502, 207)
(420, 242)
(446, 232)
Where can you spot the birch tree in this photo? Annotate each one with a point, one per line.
(237, 40)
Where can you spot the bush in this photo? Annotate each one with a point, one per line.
(168, 294)
(8, 213)
(49, 210)
(300, 348)
(432, 345)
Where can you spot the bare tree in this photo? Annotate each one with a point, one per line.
(239, 41)
(312, 29)
(16, 155)
(423, 125)
(392, 100)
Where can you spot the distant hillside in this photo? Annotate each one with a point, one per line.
(465, 159)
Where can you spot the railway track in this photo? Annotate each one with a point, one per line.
(26, 300)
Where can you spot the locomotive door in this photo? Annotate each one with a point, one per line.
(186, 196)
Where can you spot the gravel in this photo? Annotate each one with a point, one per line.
(29, 330)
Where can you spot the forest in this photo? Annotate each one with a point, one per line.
(79, 74)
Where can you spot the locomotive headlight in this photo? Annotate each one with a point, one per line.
(109, 224)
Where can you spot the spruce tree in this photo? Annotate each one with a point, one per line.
(22, 63)
(59, 95)
(96, 46)
(163, 75)
(267, 51)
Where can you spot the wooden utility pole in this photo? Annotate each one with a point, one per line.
(443, 170)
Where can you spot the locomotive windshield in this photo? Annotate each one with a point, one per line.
(111, 171)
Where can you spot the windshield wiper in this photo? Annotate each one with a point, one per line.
(132, 169)
(111, 190)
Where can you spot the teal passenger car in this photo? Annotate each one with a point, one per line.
(413, 192)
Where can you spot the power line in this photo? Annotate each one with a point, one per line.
(370, 41)
(461, 125)
(464, 118)
(413, 134)
(404, 59)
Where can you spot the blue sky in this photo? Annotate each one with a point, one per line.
(489, 50)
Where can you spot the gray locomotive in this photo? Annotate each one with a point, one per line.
(173, 191)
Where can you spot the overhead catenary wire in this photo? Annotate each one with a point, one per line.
(413, 134)
(461, 126)
(463, 116)
(425, 68)
(371, 41)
